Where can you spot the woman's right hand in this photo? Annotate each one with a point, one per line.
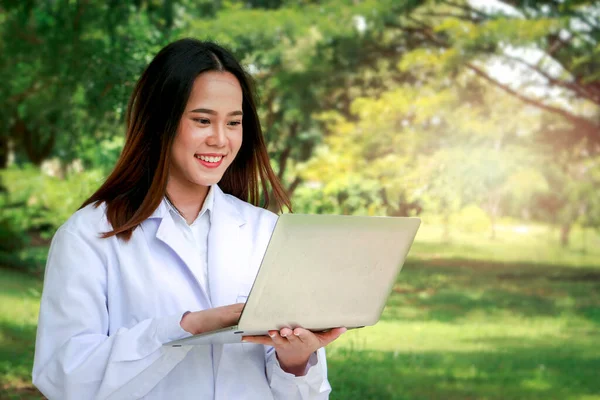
(212, 319)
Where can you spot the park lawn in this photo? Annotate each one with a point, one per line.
(19, 303)
(464, 332)
(463, 322)
(516, 243)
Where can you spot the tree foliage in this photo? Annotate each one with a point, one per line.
(369, 107)
(68, 68)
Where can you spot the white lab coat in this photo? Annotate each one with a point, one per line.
(108, 306)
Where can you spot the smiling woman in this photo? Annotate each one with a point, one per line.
(209, 134)
(165, 247)
(189, 102)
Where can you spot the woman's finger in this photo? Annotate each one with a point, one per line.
(305, 336)
(277, 339)
(327, 337)
(289, 335)
(266, 340)
(230, 314)
(285, 332)
(298, 335)
(233, 308)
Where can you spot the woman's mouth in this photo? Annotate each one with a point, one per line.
(209, 161)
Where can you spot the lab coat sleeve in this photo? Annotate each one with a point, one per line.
(312, 386)
(75, 358)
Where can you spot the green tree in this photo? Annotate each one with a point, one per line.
(307, 58)
(68, 68)
(556, 45)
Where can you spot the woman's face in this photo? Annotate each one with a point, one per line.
(209, 135)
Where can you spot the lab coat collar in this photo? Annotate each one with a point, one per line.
(228, 247)
(215, 196)
(206, 207)
(227, 206)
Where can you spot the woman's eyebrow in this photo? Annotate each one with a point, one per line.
(213, 112)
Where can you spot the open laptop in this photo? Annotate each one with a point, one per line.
(321, 272)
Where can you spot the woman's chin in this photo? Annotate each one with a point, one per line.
(203, 182)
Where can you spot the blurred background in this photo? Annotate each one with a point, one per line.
(481, 117)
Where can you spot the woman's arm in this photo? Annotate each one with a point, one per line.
(313, 385)
(296, 365)
(74, 357)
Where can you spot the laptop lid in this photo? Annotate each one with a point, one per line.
(326, 271)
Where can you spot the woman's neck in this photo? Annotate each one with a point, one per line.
(187, 200)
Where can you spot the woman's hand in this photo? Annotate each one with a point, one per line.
(294, 347)
(212, 319)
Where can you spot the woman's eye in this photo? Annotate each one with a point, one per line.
(235, 123)
(203, 121)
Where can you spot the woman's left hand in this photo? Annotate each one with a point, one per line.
(294, 347)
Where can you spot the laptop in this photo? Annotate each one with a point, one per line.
(321, 272)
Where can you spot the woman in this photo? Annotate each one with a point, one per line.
(159, 239)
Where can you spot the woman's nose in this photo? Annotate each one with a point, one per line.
(218, 137)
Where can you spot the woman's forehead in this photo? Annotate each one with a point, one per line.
(216, 88)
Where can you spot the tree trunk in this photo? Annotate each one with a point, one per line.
(32, 142)
(565, 230)
(446, 222)
(493, 222)
(493, 209)
(4, 151)
(290, 192)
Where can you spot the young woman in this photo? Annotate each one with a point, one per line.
(161, 252)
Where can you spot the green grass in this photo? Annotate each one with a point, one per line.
(517, 243)
(19, 303)
(504, 332)
(514, 318)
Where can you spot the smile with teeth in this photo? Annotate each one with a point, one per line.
(210, 159)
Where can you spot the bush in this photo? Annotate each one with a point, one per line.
(39, 203)
(11, 239)
(33, 206)
(349, 197)
(472, 219)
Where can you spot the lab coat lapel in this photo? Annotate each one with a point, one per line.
(169, 234)
(228, 249)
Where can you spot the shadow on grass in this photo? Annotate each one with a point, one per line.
(517, 370)
(21, 393)
(448, 290)
(530, 268)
